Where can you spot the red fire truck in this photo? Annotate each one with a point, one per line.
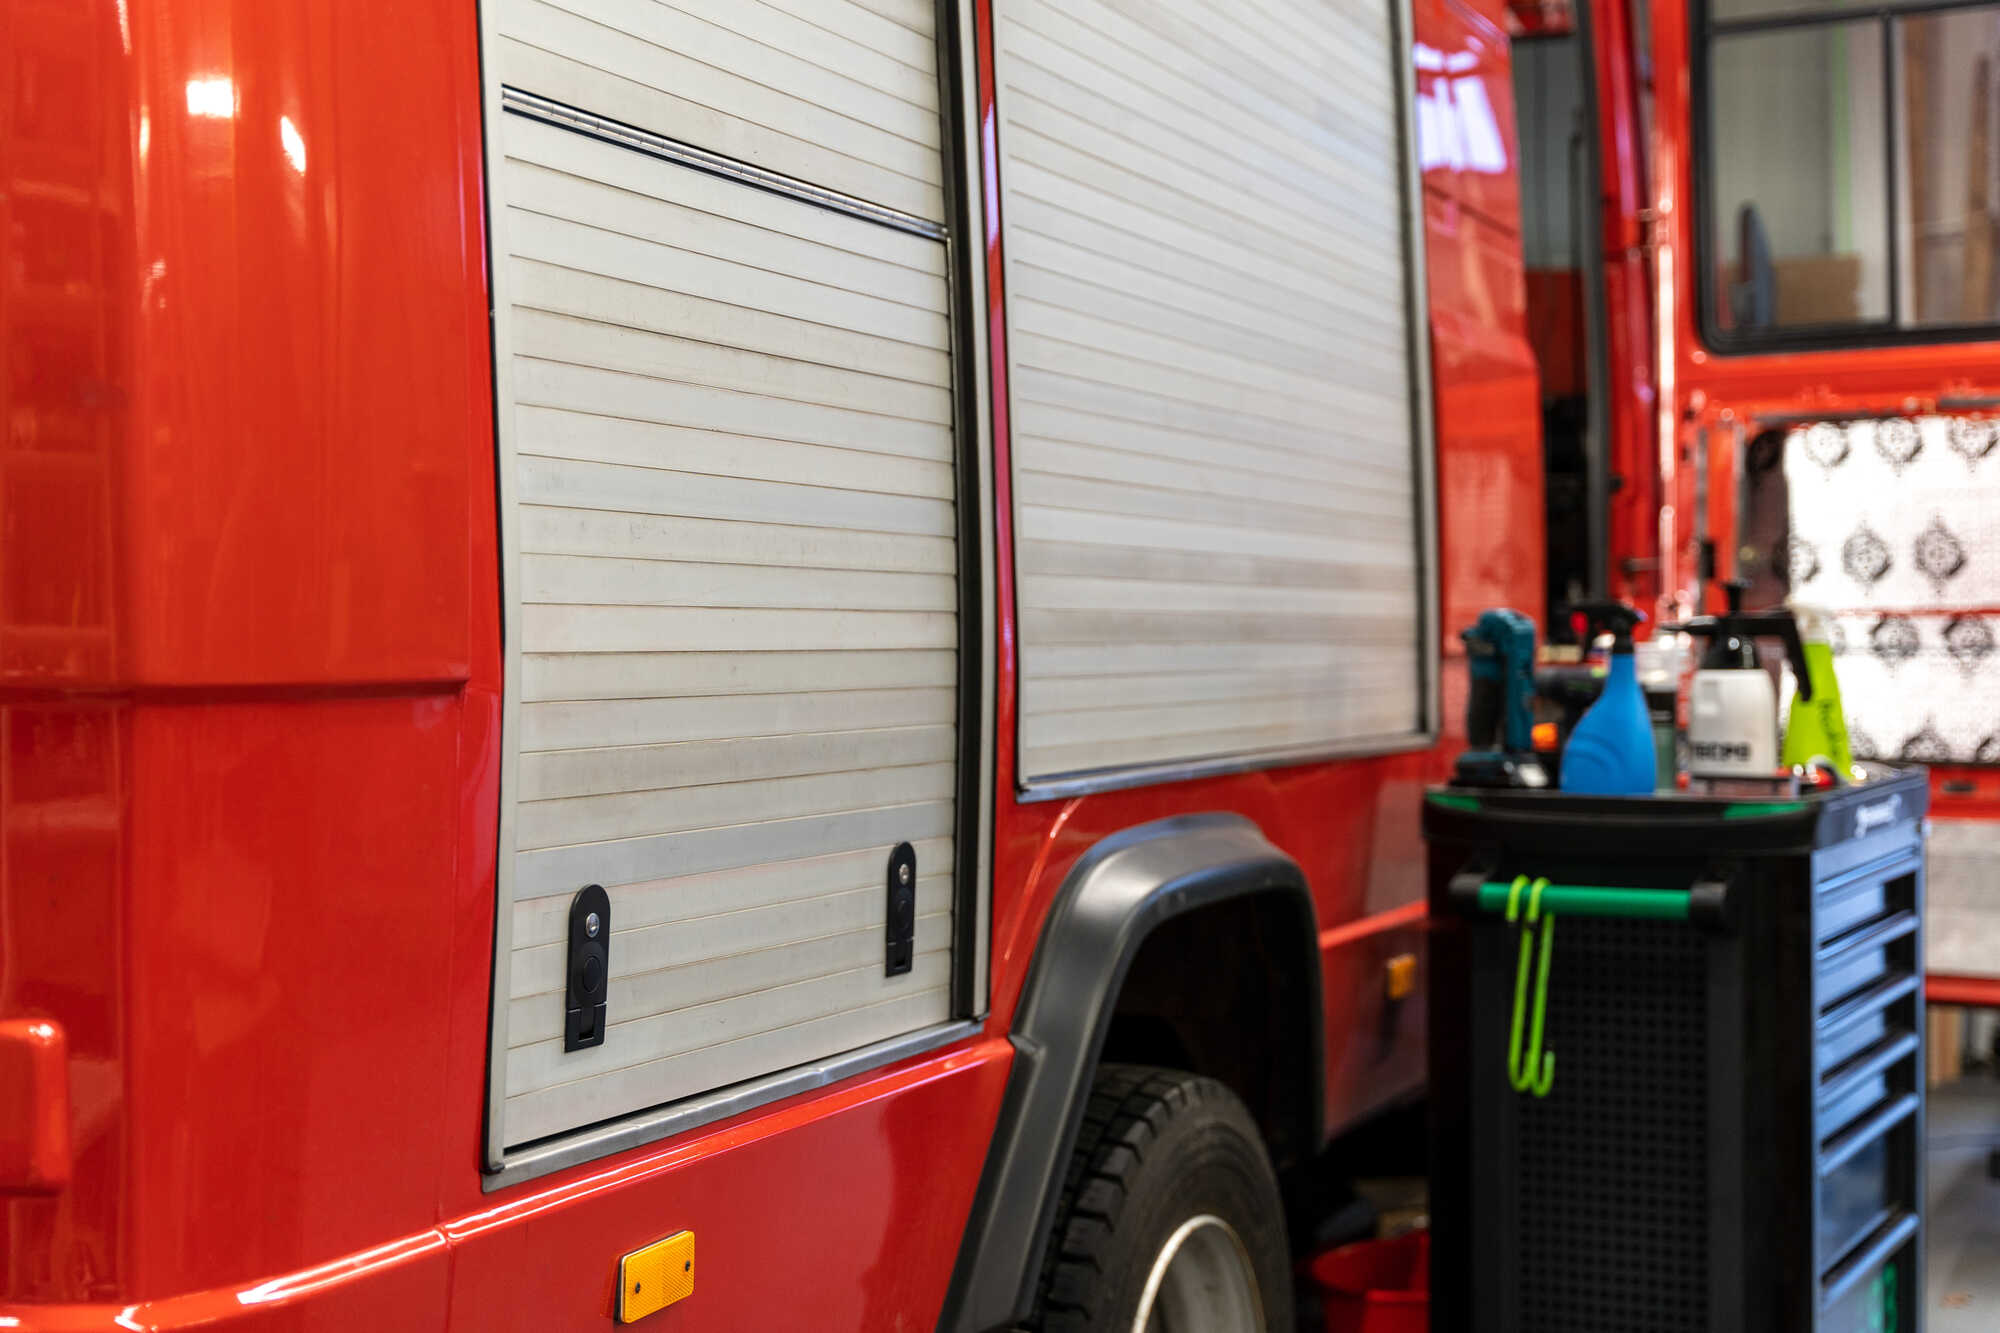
(803, 628)
(773, 657)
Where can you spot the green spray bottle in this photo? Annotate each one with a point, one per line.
(1816, 727)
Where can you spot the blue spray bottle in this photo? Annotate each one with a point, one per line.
(1610, 752)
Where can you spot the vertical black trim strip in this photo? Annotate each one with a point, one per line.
(1701, 118)
(961, 228)
(1587, 216)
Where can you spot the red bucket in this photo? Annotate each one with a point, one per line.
(1377, 1286)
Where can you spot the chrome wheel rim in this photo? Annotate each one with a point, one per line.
(1201, 1282)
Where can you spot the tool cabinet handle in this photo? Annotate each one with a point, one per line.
(1702, 904)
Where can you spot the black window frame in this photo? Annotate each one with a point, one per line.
(1702, 33)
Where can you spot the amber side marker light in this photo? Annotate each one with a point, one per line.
(651, 1279)
(1400, 976)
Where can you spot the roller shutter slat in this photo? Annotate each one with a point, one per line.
(632, 768)
(713, 893)
(547, 871)
(657, 1037)
(687, 985)
(567, 57)
(564, 1106)
(675, 945)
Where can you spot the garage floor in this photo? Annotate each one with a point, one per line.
(1963, 1278)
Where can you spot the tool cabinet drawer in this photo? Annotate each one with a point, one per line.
(1852, 903)
(1855, 1198)
(1866, 1081)
(1889, 1006)
(1864, 956)
(1877, 1291)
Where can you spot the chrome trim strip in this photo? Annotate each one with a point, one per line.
(567, 117)
(958, 63)
(577, 1146)
(1423, 402)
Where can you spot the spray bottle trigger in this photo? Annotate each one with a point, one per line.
(1787, 628)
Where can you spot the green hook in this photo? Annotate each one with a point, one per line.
(1522, 1075)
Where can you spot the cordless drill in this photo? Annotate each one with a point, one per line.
(1499, 711)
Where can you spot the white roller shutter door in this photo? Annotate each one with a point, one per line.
(729, 481)
(1217, 440)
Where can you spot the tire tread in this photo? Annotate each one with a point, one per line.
(1129, 1107)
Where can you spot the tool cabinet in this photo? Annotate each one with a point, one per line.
(1682, 1088)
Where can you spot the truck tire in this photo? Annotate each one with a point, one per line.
(1170, 1220)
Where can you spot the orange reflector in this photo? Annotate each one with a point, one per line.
(655, 1277)
(1400, 974)
(1544, 736)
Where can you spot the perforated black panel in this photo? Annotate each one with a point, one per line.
(1612, 1202)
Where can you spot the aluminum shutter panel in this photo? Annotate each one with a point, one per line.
(729, 504)
(1218, 470)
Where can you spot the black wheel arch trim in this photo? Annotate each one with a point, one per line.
(1118, 892)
